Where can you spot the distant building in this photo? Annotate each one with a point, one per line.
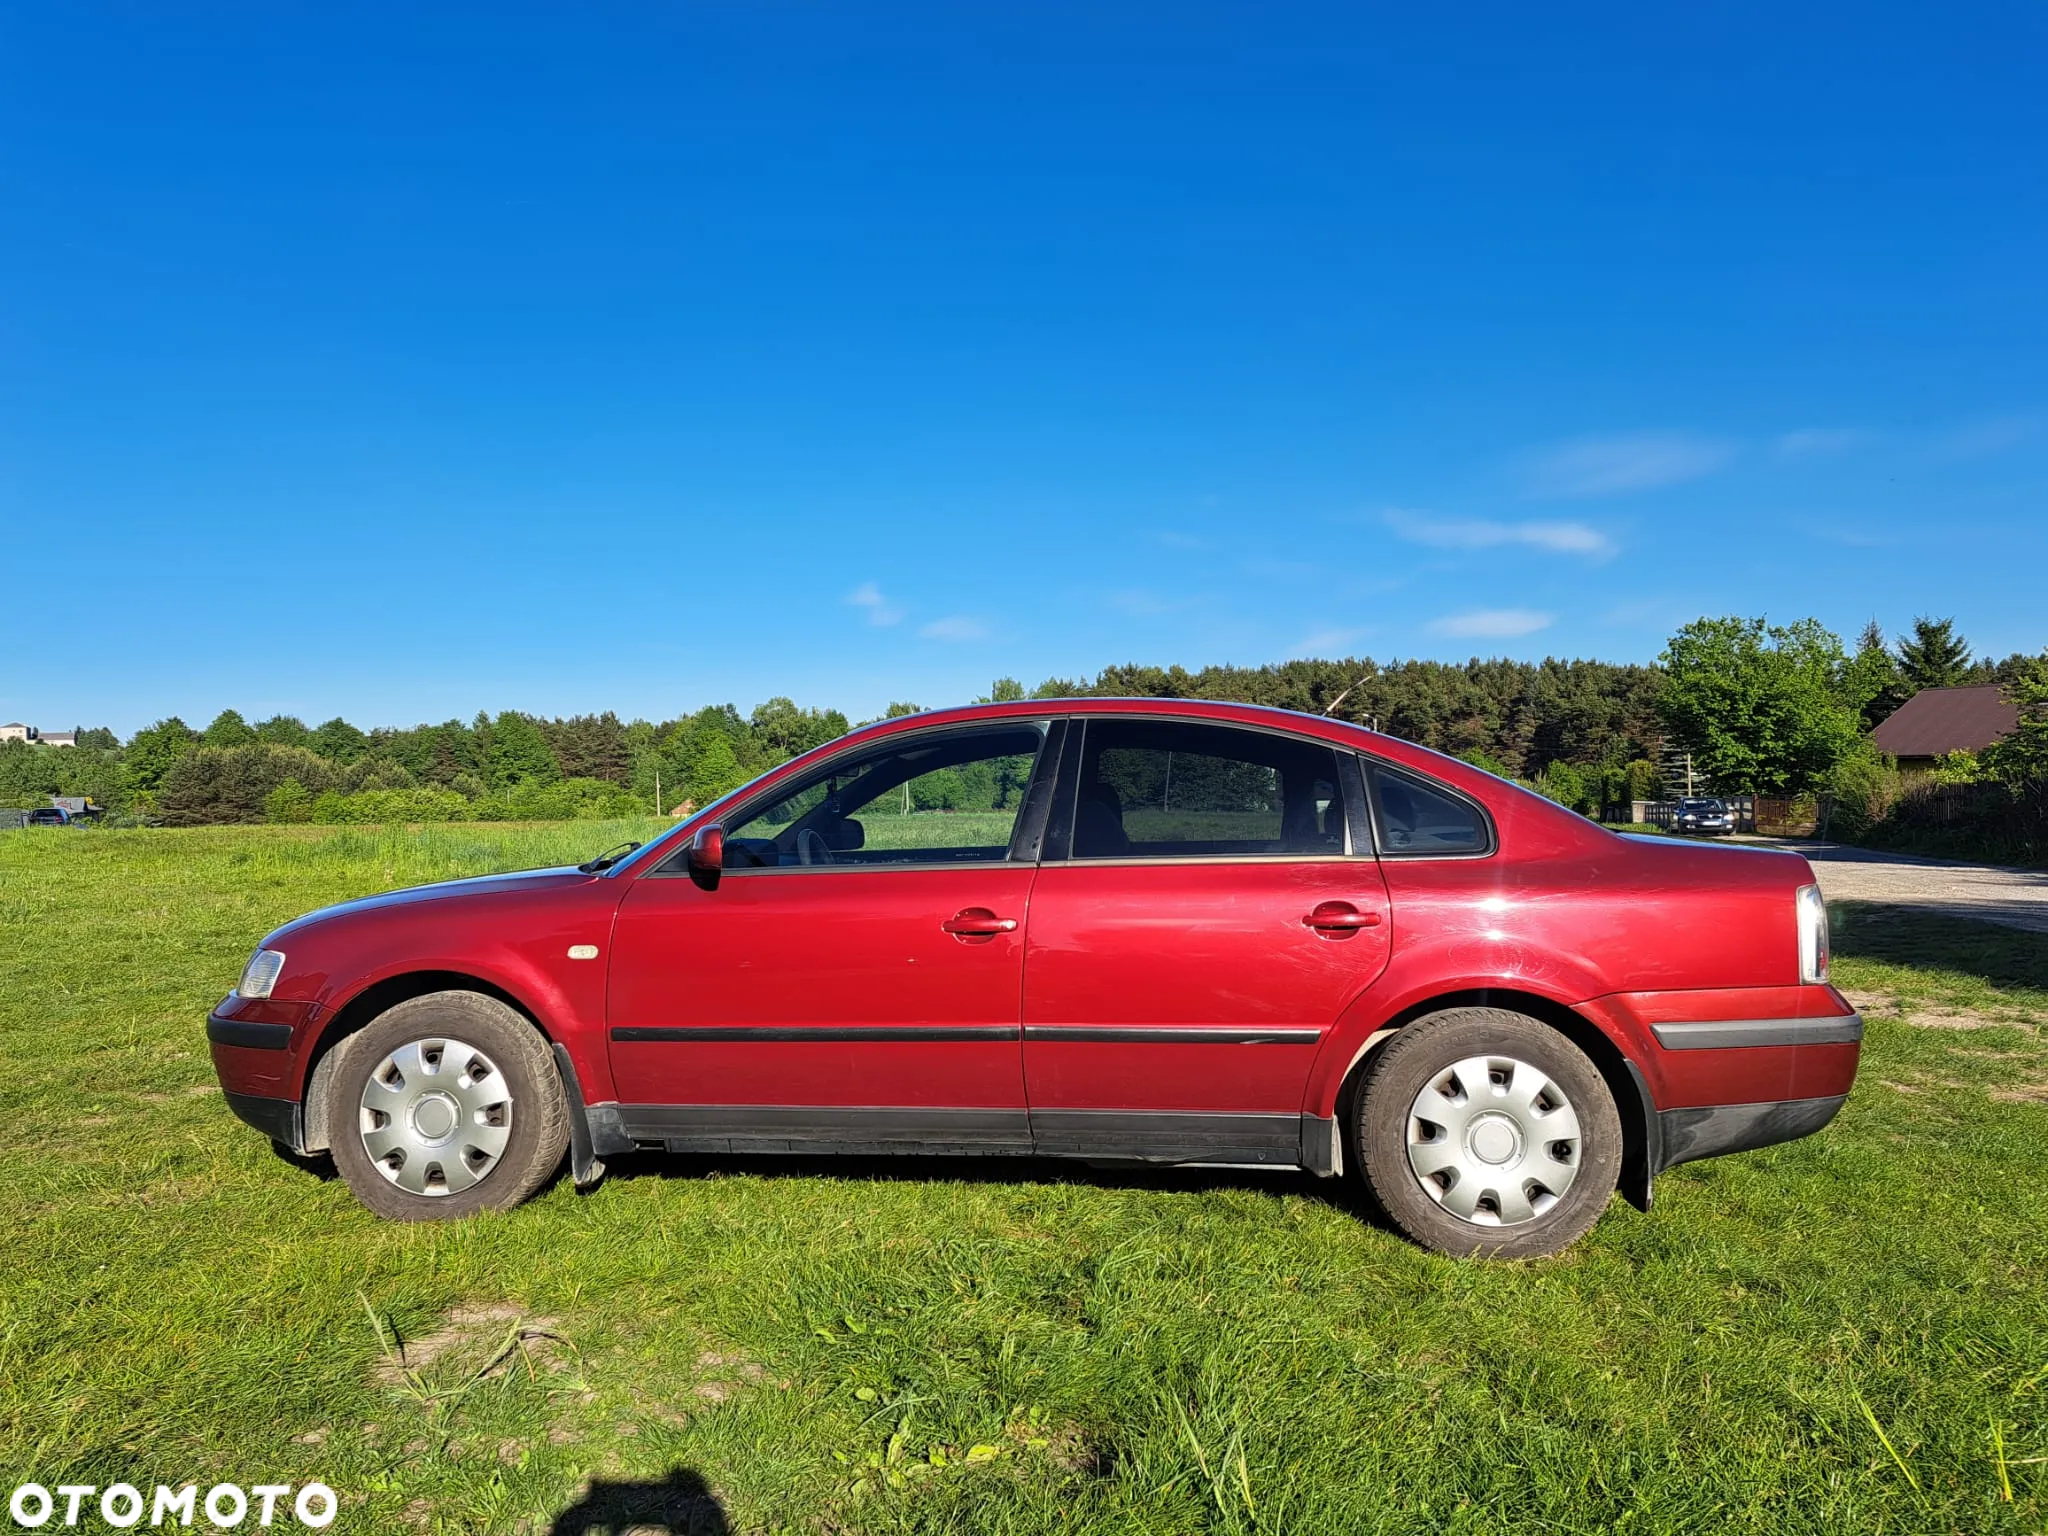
(1936, 721)
(14, 730)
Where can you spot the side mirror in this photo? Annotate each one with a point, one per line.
(707, 856)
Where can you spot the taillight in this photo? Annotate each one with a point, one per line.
(1813, 935)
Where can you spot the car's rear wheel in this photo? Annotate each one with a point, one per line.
(1481, 1131)
(445, 1105)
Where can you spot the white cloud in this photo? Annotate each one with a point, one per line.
(1982, 439)
(1819, 442)
(1616, 466)
(955, 627)
(1491, 624)
(1482, 533)
(881, 612)
(1327, 642)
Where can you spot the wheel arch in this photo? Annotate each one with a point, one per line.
(369, 1004)
(1640, 1142)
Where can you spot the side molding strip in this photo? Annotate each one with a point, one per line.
(938, 1034)
(1742, 1034)
(1106, 1034)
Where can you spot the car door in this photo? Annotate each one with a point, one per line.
(1208, 908)
(854, 976)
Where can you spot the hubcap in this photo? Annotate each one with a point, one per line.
(435, 1117)
(1493, 1141)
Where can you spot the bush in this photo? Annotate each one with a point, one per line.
(569, 800)
(1486, 762)
(1857, 792)
(1564, 784)
(389, 805)
(290, 801)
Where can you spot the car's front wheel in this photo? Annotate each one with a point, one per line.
(445, 1105)
(1481, 1131)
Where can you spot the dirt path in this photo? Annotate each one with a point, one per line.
(2016, 897)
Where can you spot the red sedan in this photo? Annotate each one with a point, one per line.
(1121, 930)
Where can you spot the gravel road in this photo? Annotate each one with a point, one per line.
(2015, 897)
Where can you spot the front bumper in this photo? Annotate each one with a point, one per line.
(279, 1119)
(258, 1047)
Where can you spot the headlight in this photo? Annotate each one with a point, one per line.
(261, 973)
(1813, 935)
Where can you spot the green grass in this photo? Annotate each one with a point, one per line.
(1849, 1333)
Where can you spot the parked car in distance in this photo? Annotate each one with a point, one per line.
(46, 816)
(1705, 816)
(1118, 930)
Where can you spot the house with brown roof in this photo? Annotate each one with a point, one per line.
(1936, 721)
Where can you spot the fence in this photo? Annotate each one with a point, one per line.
(1798, 816)
(1981, 821)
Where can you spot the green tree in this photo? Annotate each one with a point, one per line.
(2021, 759)
(1872, 683)
(1758, 705)
(338, 741)
(229, 729)
(520, 753)
(781, 730)
(1935, 656)
(227, 784)
(712, 768)
(283, 731)
(153, 749)
(1004, 690)
(28, 776)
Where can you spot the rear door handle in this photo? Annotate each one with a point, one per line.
(978, 923)
(1339, 917)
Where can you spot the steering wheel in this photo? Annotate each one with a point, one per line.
(811, 847)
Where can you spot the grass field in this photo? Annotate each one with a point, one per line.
(1849, 1333)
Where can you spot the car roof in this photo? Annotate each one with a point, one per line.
(1187, 709)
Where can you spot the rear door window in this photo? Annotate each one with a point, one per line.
(1170, 789)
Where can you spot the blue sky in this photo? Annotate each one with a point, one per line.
(403, 362)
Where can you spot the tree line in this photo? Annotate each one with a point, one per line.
(1765, 709)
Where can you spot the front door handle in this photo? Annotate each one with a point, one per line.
(1339, 917)
(978, 923)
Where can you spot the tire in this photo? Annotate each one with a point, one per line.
(1499, 1081)
(446, 1105)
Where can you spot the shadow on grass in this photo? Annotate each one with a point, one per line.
(2005, 957)
(682, 1504)
(1341, 1194)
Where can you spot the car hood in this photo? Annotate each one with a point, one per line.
(445, 890)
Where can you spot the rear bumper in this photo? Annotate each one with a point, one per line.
(1686, 1135)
